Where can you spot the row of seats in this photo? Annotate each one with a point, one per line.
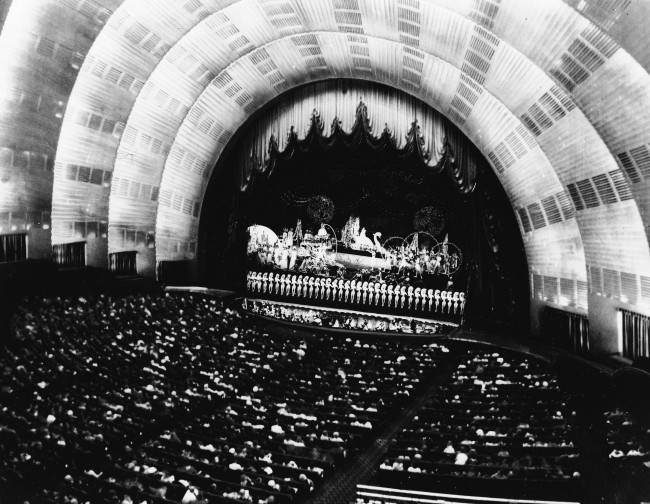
(353, 292)
(174, 398)
(499, 416)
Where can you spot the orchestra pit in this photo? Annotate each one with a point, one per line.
(324, 252)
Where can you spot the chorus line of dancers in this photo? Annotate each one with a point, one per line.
(355, 292)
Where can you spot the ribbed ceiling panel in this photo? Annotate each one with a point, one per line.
(557, 251)
(616, 94)
(612, 98)
(461, 30)
(521, 180)
(604, 13)
(570, 30)
(515, 80)
(41, 49)
(377, 70)
(443, 32)
(115, 72)
(454, 29)
(173, 223)
(439, 82)
(629, 26)
(524, 54)
(575, 150)
(624, 238)
(540, 30)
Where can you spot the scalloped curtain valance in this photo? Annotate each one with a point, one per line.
(381, 117)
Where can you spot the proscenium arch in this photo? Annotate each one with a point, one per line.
(612, 240)
(548, 256)
(561, 18)
(113, 207)
(172, 177)
(247, 152)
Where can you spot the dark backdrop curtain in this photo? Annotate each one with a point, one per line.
(13, 247)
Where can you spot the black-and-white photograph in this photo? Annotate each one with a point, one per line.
(324, 252)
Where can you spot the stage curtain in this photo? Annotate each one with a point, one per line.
(13, 247)
(465, 159)
(387, 108)
(636, 335)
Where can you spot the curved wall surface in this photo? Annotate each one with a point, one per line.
(116, 111)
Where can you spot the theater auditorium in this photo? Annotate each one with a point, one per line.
(324, 252)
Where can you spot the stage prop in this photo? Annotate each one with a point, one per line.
(414, 257)
(355, 270)
(349, 320)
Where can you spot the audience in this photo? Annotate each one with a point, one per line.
(175, 398)
(499, 416)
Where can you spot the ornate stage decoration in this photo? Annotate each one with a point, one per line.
(357, 256)
(452, 160)
(353, 253)
(431, 219)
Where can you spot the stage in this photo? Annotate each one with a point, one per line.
(374, 297)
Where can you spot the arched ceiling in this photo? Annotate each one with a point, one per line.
(435, 90)
(549, 91)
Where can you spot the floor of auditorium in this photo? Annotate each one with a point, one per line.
(341, 486)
